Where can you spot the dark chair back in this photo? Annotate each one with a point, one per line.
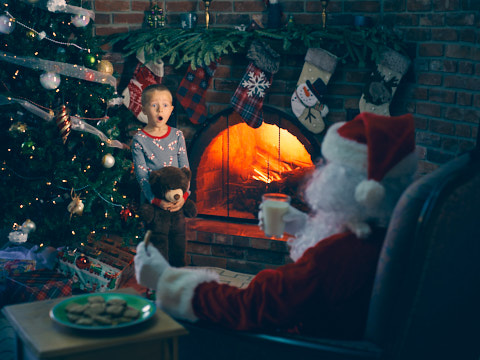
(426, 296)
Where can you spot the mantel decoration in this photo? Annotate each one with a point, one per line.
(199, 46)
(201, 49)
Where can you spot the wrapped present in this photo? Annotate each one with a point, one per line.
(99, 265)
(12, 267)
(37, 285)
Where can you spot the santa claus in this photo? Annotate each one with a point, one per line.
(370, 160)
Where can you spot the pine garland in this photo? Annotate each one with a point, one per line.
(197, 47)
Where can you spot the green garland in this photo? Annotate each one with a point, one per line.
(200, 46)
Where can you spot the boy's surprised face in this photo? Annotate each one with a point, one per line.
(158, 108)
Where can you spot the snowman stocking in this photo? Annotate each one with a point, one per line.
(383, 82)
(250, 94)
(307, 100)
(143, 76)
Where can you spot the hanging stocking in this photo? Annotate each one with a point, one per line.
(143, 76)
(307, 100)
(250, 94)
(383, 82)
(192, 90)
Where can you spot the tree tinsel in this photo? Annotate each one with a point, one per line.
(197, 47)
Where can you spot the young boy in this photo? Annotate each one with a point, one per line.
(157, 144)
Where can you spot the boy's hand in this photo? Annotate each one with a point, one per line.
(177, 206)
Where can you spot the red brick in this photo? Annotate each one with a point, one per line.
(402, 19)
(459, 19)
(266, 257)
(463, 130)
(429, 109)
(443, 96)
(104, 31)
(419, 5)
(247, 267)
(458, 51)
(182, 6)
(467, 35)
(227, 251)
(438, 156)
(443, 65)
(199, 260)
(198, 248)
(393, 5)
(465, 67)
(129, 18)
(362, 6)
(430, 50)
(248, 6)
(462, 82)
(420, 93)
(445, 5)
(224, 19)
(141, 5)
(444, 34)
(299, 6)
(102, 19)
(217, 6)
(111, 5)
(476, 100)
(464, 99)
(427, 139)
(432, 20)
(441, 127)
(454, 113)
(429, 79)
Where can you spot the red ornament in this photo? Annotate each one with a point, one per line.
(82, 262)
(125, 214)
(63, 123)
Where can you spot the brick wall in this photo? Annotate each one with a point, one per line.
(441, 88)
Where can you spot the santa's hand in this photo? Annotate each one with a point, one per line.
(295, 220)
(149, 265)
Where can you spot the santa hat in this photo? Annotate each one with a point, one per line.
(379, 145)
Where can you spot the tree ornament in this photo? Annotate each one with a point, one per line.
(89, 60)
(82, 262)
(80, 20)
(105, 67)
(30, 34)
(108, 161)
(76, 206)
(89, 76)
(28, 147)
(50, 80)
(42, 35)
(63, 123)
(28, 226)
(155, 17)
(125, 214)
(17, 236)
(7, 24)
(17, 128)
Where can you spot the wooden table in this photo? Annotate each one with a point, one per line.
(38, 337)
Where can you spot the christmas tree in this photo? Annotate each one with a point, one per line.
(66, 171)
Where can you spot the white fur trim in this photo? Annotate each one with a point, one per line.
(336, 148)
(176, 288)
(369, 193)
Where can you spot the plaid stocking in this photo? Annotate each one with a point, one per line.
(192, 90)
(143, 76)
(250, 94)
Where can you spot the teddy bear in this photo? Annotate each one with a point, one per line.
(166, 228)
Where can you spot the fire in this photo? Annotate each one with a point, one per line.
(239, 157)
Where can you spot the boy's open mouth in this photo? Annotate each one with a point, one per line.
(160, 118)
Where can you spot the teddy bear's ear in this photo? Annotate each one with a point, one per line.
(187, 172)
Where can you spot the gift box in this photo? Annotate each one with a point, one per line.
(37, 285)
(10, 267)
(99, 265)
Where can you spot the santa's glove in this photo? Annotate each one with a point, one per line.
(149, 265)
(295, 220)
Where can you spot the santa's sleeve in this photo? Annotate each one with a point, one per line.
(274, 297)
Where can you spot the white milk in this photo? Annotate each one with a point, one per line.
(273, 212)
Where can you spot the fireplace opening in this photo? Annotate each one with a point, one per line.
(233, 164)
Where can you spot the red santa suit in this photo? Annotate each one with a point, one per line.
(326, 291)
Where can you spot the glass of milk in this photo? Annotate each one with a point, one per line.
(274, 206)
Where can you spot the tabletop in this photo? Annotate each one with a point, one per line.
(45, 337)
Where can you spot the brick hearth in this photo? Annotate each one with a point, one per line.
(233, 246)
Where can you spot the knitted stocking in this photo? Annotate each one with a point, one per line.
(383, 82)
(250, 94)
(192, 90)
(307, 100)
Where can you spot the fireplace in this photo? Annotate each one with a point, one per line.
(233, 164)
